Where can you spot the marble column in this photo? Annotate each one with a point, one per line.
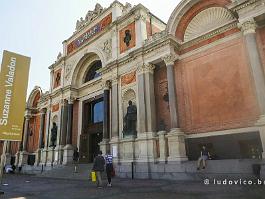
(141, 109)
(114, 142)
(169, 61)
(25, 134)
(68, 149)
(176, 138)
(23, 157)
(62, 135)
(146, 137)
(8, 153)
(41, 132)
(114, 109)
(104, 145)
(249, 31)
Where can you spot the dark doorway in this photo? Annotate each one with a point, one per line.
(92, 129)
(94, 148)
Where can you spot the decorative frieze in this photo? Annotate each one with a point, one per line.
(145, 68)
(128, 78)
(107, 48)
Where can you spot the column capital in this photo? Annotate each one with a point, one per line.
(43, 111)
(248, 26)
(27, 116)
(106, 85)
(71, 100)
(145, 68)
(114, 80)
(170, 59)
(140, 16)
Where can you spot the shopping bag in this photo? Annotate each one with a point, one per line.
(93, 176)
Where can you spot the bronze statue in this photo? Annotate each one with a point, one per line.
(53, 135)
(130, 119)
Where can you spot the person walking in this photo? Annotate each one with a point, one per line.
(109, 167)
(205, 155)
(98, 167)
(76, 159)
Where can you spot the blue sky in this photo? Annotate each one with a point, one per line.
(37, 28)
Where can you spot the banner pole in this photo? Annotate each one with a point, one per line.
(3, 157)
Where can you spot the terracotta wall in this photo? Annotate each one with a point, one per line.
(14, 147)
(33, 136)
(215, 90)
(75, 124)
(261, 44)
(123, 46)
(161, 98)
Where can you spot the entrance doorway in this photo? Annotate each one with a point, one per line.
(94, 148)
(92, 129)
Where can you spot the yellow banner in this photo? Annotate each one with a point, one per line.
(13, 90)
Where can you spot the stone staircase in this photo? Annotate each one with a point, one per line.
(67, 172)
(220, 169)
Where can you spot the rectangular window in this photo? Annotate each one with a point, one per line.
(97, 113)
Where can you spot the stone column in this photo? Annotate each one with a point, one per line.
(68, 149)
(147, 139)
(45, 151)
(23, 158)
(8, 153)
(62, 135)
(176, 138)
(104, 145)
(141, 109)
(249, 31)
(114, 142)
(169, 61)
(115, 109)
(41, 132)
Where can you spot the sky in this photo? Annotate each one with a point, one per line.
(37, 28)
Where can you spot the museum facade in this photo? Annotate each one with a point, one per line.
(197, 80)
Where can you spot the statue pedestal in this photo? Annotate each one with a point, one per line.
(50, 157)
(176, 146)
(127, 152)
(44, 155)
(23, 158)
(104, 146)
(147, 147)
(58, 155)
(115, 149)
(38, 157)
(68, 152)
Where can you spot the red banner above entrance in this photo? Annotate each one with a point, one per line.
(84, 38)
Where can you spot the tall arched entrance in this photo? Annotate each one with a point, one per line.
(88, 81)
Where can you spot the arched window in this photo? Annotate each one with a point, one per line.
(93, 71)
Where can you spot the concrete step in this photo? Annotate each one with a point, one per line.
(67, 172)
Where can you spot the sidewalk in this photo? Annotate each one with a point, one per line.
(30, 187)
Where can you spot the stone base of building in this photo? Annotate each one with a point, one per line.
(68, 152)
(23, 158)
(187, 170)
